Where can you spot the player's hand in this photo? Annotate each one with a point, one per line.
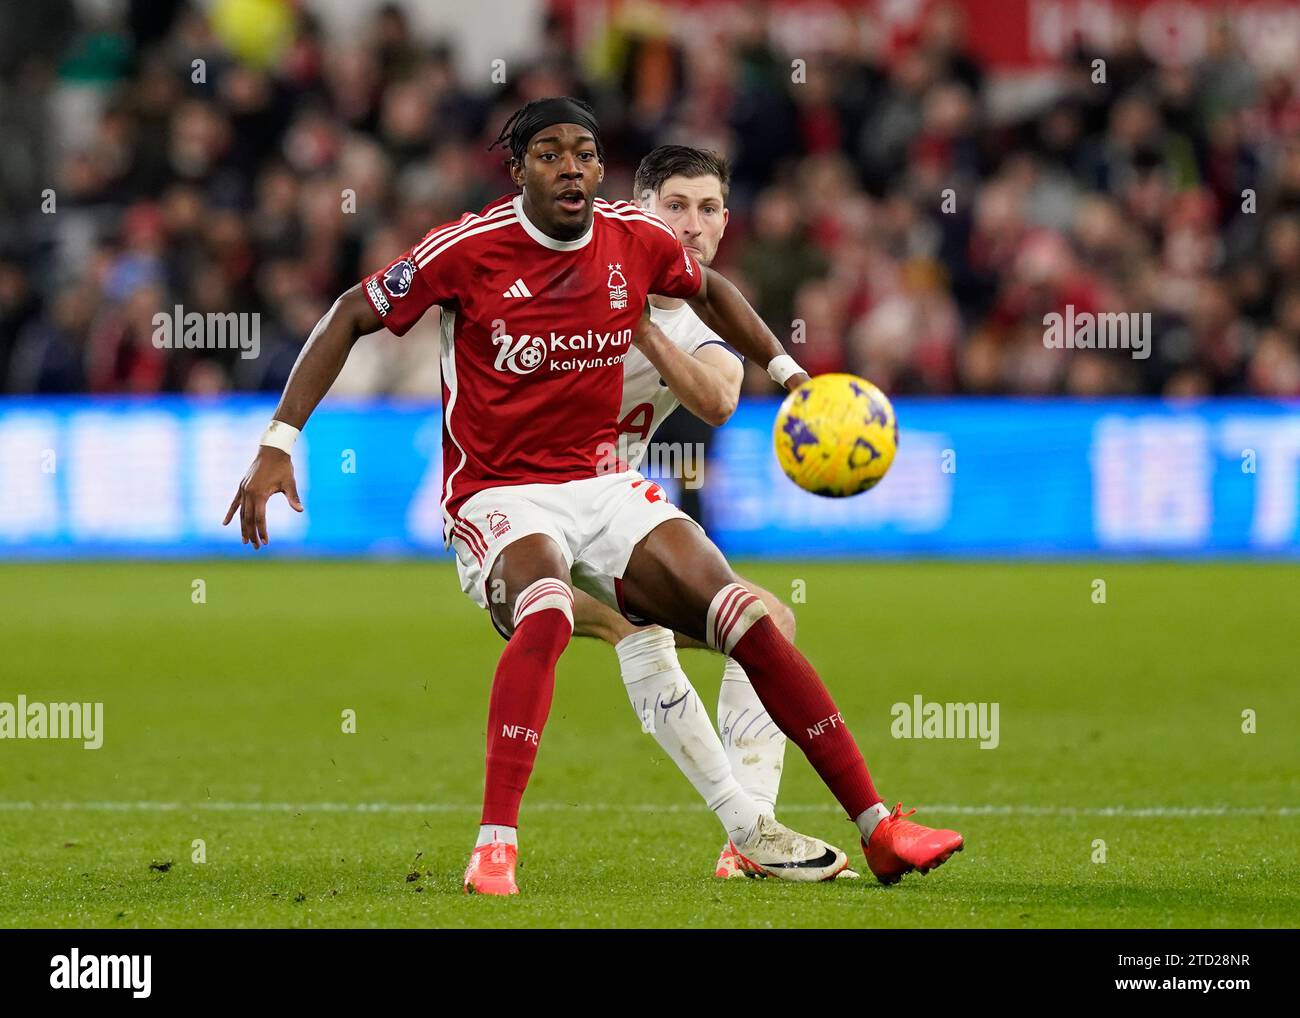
(794, 381)
(272, 471)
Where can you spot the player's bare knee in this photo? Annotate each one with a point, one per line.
(594, 619)
(672, 574)
(782, 614)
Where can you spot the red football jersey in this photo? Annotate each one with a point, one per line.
(534, 333)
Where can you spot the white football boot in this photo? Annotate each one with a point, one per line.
(729, 867)
(773, 850)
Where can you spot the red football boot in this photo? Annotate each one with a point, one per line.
(898, 846)
(491, 869)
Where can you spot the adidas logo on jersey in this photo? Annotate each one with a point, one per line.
(517, 289)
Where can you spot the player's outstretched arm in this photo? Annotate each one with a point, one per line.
(707, 382)
(724, 310)
(317, 367)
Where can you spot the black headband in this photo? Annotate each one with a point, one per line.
(542, 113)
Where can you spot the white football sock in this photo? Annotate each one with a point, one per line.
(868, 819)
(669, 709)
(755, 746)
(489, 833)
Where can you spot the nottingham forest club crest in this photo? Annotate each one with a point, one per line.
(498, 523)
(617, 288)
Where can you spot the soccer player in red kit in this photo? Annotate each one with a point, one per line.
(541, 294)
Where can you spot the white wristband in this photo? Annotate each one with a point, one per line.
(781, 367)
(280, 436)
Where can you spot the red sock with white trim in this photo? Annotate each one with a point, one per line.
(739, 626)
(521, 696)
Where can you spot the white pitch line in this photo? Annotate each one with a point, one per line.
(219, 806)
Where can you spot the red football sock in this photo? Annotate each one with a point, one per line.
(794, 696)
(521, 696)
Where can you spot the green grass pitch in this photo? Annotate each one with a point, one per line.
(1120, 723)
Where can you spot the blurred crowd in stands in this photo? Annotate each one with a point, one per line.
(883, 220)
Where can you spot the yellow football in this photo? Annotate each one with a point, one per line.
(836, 435)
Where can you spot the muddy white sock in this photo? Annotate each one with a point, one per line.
(669, 709)
(755, 747)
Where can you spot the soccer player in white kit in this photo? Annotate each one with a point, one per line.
(680, 361)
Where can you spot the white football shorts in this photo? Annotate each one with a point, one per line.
(596, 521)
